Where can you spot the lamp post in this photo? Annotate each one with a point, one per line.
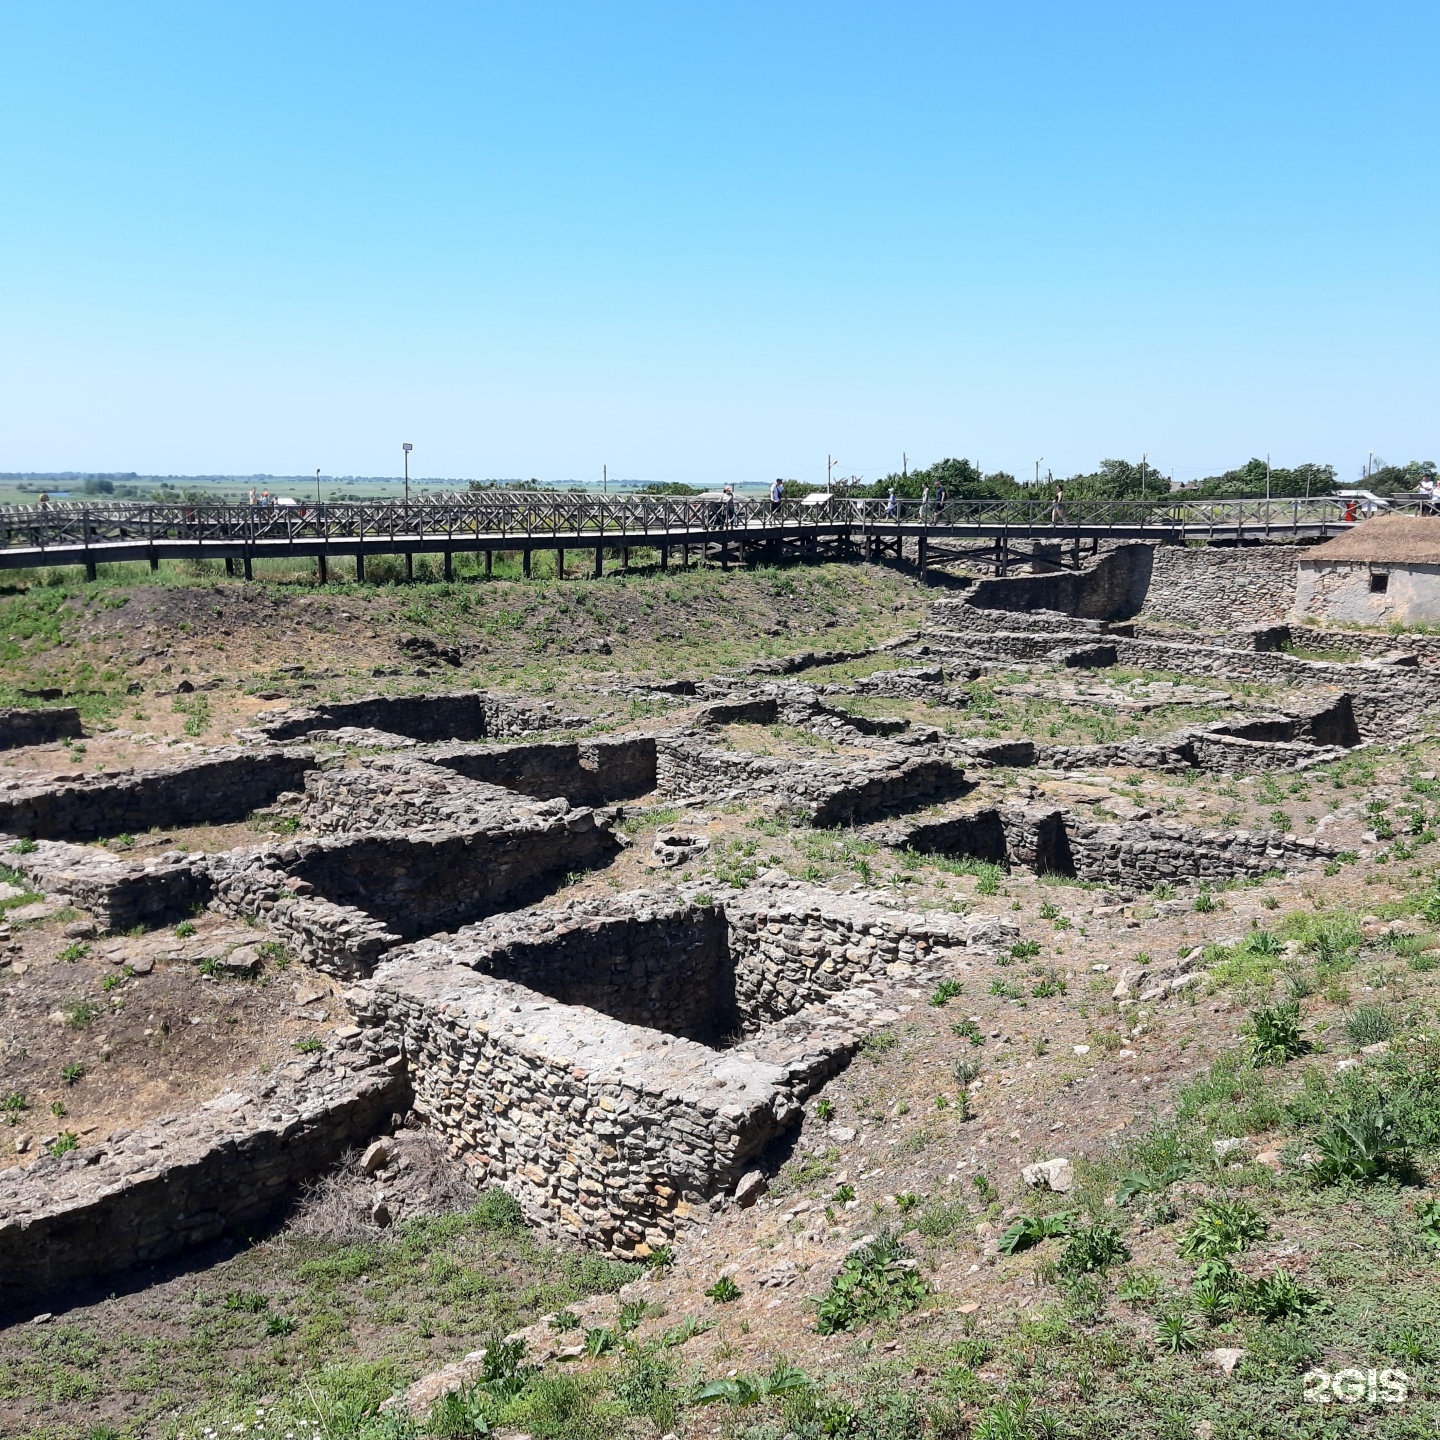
(407, 447)
(317, 487)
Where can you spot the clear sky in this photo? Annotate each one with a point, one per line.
(716, 242)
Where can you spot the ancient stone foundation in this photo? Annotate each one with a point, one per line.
(38, 727)
(1134, 853)
(616, 1129)
(219, 786)
(184, 1180)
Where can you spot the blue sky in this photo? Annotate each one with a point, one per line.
(719, 242)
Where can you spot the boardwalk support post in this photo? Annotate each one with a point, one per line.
(249, 573)
(323, 566)
(409, 564)
(525, 562)
(449, 568)
(559, 563)
(599, 561)
(359, 568)
(489, 563)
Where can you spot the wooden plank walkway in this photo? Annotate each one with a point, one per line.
(91, 534)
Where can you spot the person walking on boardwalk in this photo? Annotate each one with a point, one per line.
(777, 493)
(729, 506)
(1057, 506)
(890, 504)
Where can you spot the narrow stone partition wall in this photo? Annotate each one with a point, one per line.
(617, 1131)
(399, 792)
(217, 787)
(145, 1195)
(818, 793)
(795, 946)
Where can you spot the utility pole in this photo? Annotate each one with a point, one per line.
(1143, 459)
(605, 479)
(1267, 477)
(407, 447)
(829, 466)
(1037, 472)
(317, 486)
(904, 466)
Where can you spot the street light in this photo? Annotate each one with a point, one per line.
(407, 447)
(317, 487)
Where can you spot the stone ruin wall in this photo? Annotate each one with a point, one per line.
(22, 726)
(186, 1179)
(615, 1131)
(221, 785)
(1135, 854)
(472, 715)
(1233, 587)
(822, 794)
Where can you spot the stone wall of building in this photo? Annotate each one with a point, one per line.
(1220, 585)
(820, 793)
(340, 940)
(436, 878)
(1133, 853)
(1342, 591)
(1114, 587)
(23, 726)
(467, 715)
(145, 1195)
(646, 957)
(611, 1132)
(216, 787)
(584, 772)
(797, 946)
(119, 893)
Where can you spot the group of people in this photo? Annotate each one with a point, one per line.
(927, 501)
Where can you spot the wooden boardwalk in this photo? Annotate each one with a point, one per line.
(1002, 532)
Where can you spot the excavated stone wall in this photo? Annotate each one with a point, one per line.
(120, 893)
(183, 1180)
(1133, 853)
(469, 715)
(19, 727)
(1113, 588)
(822, 794)
(797, 946)
(217, 786)
(617, 1132)
(435, 878)
(585, 772)
(1225, 586)
(644, 958)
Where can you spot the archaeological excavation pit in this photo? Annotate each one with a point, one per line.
(619, 1065)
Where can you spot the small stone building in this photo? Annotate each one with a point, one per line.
(1386, 569)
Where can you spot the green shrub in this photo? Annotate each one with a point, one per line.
(945, 992)
(1275, 1035)
(879, 1281)
(723, 1291)
(1363, 1146)
(1368, 1025)
(1177, 1333)
(496, 1209)
(1222, 1227)
(1093, 1250)
(1031, 1230)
